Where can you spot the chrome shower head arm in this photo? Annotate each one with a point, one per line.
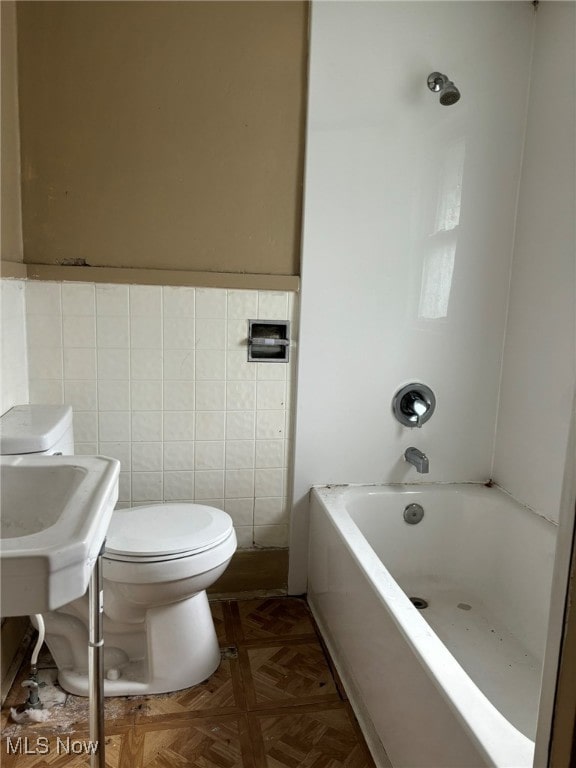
(436, 81)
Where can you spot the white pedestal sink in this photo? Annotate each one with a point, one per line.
(54, 514)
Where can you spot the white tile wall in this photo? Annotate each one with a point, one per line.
(158, 378)
(13, 361)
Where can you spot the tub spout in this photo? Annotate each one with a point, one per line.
(417, 458)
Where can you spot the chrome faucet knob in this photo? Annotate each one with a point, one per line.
(413, 405)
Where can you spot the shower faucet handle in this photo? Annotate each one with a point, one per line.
(413, 404)
(416, 404)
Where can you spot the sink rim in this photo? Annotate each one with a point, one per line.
(95, 487)
(66, 479)
(68, 548)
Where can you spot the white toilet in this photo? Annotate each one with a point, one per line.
(158, 561)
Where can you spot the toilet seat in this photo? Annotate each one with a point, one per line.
(165, 532)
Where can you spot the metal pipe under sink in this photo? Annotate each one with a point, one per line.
(96, 663)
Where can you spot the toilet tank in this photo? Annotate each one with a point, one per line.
(41, 429)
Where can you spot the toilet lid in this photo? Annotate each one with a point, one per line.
(166, 530)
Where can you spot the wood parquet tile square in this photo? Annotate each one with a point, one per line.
(273, 618)
(274, 702)
(296, 672)
(215, 694)
(322, 739)
(203, 744)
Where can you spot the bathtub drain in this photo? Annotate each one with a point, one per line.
(413, 514)
(419, 602)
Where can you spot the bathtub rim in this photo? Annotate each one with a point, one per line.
(489, 730)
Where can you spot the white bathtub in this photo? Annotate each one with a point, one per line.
(456, 684)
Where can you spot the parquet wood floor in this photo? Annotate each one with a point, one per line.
(274, 702)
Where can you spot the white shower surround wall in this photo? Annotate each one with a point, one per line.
(503, 357)
(158, 378)
(539, 362)
(386, 167)
(461, 689)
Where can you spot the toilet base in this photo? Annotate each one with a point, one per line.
(182, 651)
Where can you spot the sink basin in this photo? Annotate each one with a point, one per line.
(54, 514)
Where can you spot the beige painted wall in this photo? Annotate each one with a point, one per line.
(165, 135)
(11, 220)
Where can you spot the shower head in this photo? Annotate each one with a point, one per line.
(439, 83)
(449, 94)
